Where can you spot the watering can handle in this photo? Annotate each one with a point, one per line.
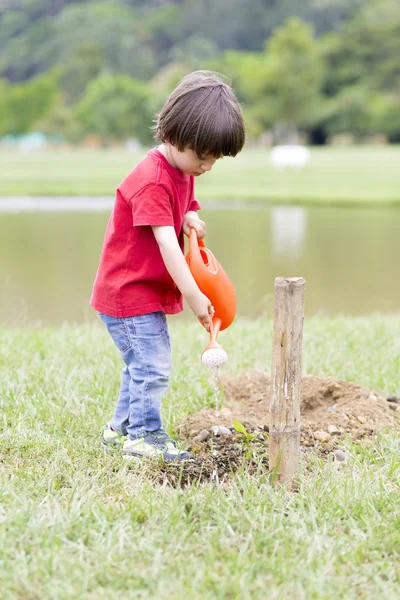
(193, 238)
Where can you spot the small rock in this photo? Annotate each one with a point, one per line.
(332, 408)
(225, 411)
(202, 436)
(322, 436)
(333, 430)
(393, 407)
(393, 399)
(340, 456)
(372, 397)
(219, 430)
(362, 420)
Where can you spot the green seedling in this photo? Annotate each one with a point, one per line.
(240, 428)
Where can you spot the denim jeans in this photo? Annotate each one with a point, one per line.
(144, 346)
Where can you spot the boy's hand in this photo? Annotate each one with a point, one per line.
(191, 219)
(202, 308)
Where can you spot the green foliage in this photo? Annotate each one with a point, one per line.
(240, 428)
(11, 25)
(344, 80)
(366, 50)
(385, 111)
(110, 29)
(24, 104)
(282, 84)
(115, 106)
(363, 71)
(26, 54)
(293, 76)
(84, 65)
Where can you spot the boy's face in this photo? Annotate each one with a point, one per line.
(188, 162)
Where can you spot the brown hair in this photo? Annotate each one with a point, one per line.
(202, 113)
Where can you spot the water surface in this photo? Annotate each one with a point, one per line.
(49, 252)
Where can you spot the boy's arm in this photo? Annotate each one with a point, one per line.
(178, 269)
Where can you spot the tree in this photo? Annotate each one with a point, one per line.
(362, 75)
(366, 50)
(280, 87)
(116, 107)
(25, 103)
(293, 77)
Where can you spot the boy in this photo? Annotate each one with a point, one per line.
(143, 274)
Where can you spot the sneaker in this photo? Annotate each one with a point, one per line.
(155, 444)
(111, 437)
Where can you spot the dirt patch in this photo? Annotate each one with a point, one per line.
(331, 411)
(352, 409)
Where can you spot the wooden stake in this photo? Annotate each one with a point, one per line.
(284, 428)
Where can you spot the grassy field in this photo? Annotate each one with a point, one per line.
(78, 523)
(351, 175)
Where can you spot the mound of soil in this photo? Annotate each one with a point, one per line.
(331, 411)
(328, 406)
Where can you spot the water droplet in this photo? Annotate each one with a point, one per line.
(217, 394)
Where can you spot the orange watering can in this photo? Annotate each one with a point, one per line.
(216, 285)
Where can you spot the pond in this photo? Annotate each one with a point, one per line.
(49, 252)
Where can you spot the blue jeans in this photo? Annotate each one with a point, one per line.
(144, 346)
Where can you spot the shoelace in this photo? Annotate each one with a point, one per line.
(161, 439)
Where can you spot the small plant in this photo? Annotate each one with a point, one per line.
(240, 428)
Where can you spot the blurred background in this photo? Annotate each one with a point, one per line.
(313, 194)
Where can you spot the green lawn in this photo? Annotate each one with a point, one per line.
(350, 175)
(78, 523)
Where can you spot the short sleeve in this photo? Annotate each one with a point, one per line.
(152, 206)
(194, 205)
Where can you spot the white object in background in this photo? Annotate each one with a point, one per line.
(288, 231)
(292, 156)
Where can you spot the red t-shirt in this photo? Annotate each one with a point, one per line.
(132, 279)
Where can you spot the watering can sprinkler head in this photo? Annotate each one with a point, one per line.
(214, 356)
(216, 285)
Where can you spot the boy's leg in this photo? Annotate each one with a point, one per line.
(116, 330)
(120, 419)
(149, 362)
(144, 345)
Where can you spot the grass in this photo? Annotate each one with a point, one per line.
(350, 175)
(76, 522)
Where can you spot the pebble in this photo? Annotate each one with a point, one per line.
(340, 456)
(202, 436)
(218, 430)
(333, 430)
(322, 436)
(225, 412)
(372, 397)
(393, 399)
(332, 408)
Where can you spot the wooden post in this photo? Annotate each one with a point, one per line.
(284, 427)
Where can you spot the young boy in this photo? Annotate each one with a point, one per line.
(143, 274)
